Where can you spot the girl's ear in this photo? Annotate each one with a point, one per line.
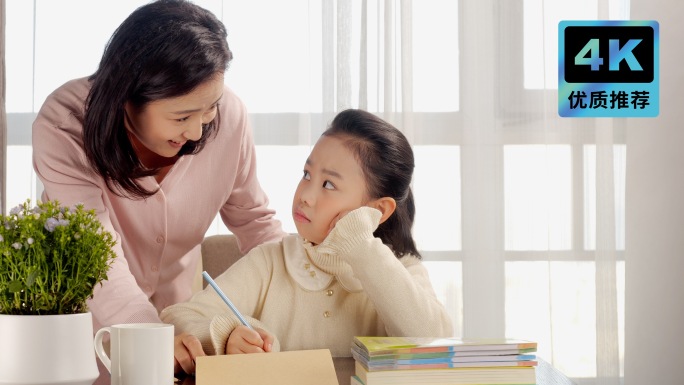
(385, 205)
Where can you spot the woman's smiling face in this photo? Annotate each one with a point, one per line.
(333, 183)
(163, 126)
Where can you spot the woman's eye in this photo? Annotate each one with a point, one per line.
(306, 175)
(212, 109)
(183, 119)
(328, 185)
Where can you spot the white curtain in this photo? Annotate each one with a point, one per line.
(548, 269)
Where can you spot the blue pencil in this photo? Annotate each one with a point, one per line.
(225, 299)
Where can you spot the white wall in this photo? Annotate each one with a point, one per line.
(654, 310)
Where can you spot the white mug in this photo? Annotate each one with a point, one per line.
(140, 353)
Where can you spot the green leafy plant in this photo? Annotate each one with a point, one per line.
(51, 258)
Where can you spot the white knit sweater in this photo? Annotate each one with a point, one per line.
(314, 297)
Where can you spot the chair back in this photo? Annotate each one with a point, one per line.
(219, 252)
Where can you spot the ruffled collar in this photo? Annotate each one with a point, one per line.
(314, 268)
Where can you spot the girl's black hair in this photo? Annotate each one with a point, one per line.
(164, 49)
(386, 158)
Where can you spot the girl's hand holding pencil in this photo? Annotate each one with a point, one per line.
(246, 340)
(243, 339)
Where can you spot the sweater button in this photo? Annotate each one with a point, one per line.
(326, 314)
(329, 293)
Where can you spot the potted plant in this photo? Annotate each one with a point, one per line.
(51, 259)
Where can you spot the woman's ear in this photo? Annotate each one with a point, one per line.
(385, 205)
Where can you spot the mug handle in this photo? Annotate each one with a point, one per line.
(100, 350)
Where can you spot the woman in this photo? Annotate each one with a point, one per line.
(157, 145)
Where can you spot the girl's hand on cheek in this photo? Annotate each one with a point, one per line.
(349, 229)
(246, 340)
(336, 219)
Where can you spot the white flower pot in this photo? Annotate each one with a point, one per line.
(47, 349)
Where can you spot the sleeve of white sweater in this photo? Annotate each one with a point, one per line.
(400, 289)
(210, 319)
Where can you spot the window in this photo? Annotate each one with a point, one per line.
(512, 202)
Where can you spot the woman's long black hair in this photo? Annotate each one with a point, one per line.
(386, 158)
(164, 49)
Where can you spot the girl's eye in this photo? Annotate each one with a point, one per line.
(183, 119)
(328, 185)
(306, 175)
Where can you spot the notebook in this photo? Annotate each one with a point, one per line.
(302, 367)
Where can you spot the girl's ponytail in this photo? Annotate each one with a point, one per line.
(386, 158)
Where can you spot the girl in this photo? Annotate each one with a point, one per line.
(353, 269)
(157, 145)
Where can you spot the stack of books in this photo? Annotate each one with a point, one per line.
(443, 361)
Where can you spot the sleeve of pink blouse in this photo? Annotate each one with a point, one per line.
(246, 213)
(61, 165)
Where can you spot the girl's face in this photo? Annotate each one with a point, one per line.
(333, 184)
(163, 126)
